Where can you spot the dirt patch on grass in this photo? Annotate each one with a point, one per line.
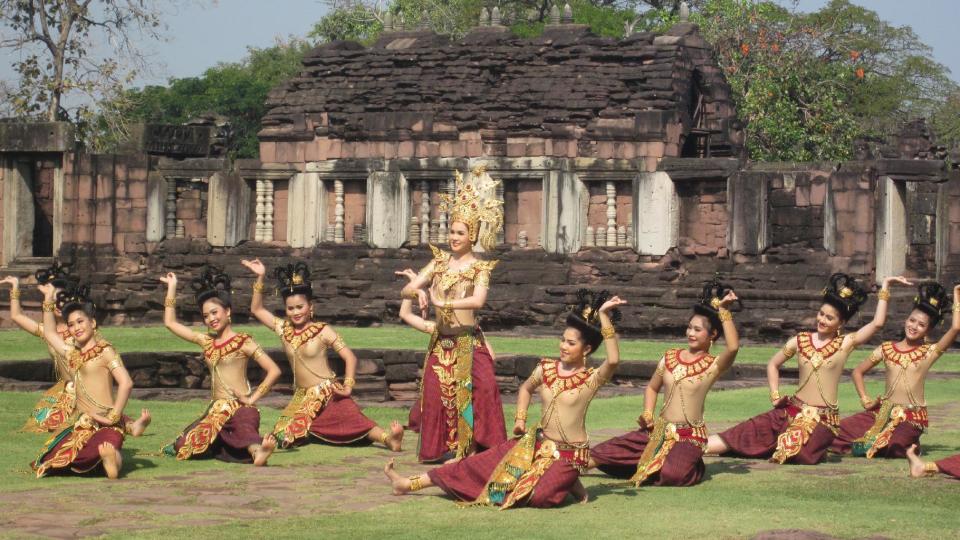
(94, 506)
(801, 534)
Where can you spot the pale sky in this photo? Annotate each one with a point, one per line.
(202, 33)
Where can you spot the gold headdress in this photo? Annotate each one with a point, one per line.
(475, 204)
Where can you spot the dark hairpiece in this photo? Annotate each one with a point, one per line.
(73, 298)
(709, 303)
(846, 294)
(933, 300)
(294, 279)
(212, 283)
(57, 274)
(585, 316)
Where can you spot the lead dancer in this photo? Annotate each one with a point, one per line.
(542, 466)
(459, 410)
(801, 427)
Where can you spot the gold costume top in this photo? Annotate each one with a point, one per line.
(815, 363)
(228, 364)
(565, 400)
(687, 382)
(456, 284)
(306, 349)
(88, 370)
(906, 371)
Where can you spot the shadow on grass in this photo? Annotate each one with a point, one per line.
(728, 466)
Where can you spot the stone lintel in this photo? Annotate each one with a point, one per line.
(252, 169)
(697, 168)
(190, 167)
(913, 170)
(36, 136)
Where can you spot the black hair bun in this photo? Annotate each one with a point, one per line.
(294, 279)
(585, 315)
(57, 275)
(846, 294)
(75, 297)
(709, 303)
(933, 300)
(213, 282)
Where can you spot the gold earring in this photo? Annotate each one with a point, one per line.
(710, 345)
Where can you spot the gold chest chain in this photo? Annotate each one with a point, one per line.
(818, 358)
(682, 371)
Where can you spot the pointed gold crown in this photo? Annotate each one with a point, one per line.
(475, 204)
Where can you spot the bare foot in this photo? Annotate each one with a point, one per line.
(140, 425)
(262, 454)
(916, 464)
(395, 440)
(401, 485)
(110, 460)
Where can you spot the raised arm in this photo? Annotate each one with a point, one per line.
(951, 334)
(16, 313)
(271, 369)
(418, 282)
(610, 340)
(415, 321)
(524, 394)
(866, 332)
(170, 310)
(862, 369)
(773, 369)
(646, 419)
(256, 303)
(49, 321)
(731, 339)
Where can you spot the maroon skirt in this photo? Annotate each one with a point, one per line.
(856, 426)
(950, 466)
(63, 456)
(341, 422)
(467, 478)
(619, 457)
(240, 432)
(434, 421)
(757, 438)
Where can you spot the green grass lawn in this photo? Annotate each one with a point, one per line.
(849, 497)
(18, 345)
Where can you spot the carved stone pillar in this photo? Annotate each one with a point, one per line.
(424, 212)
(611, 214)
(338, 232)
(171, 209)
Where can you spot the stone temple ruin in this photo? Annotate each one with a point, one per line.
(622, 167)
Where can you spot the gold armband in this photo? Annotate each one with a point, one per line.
(40, 330)
(775, 395)
(257, 352)
(170, 302)
(956, 309)
(263, 389)
(521, 415)
(725, 315)
(875, 358)
(114, 364)
(338, 344)
(660, 369)
(415, 484)
(412, 295)
(14, 294)
(788, 352)
(349, 382)
(482, 280)
(48, 307)
(883, 294)
(257, 286)
(608, 332)
(934, 351)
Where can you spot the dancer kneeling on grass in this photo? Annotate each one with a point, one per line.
(542, 466)
(800, 428)
(669, 451)
(229, 428)
(894, 421)
(321, 407)
(96, 437)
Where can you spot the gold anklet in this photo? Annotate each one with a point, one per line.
(415, 484)
(384, 437)
(930, 469)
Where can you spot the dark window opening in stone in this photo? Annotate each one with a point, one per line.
(697, 141)
(41, 179)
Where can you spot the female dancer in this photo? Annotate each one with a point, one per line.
(321, 406)
(97, 435)
(801, 427)
(229, 428)
(459, 410)
(55, 408)
(893, 422)
(669, 451)
(542, 466)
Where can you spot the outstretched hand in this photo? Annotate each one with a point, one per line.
(48, 290)
(255, 266)
(895, 279)
(170, 279)
(407, 273)
(612, 303)
(12, 280)
(728, 299)
(341, 390)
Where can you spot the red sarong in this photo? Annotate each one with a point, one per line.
(950, 466)
(434, 419)
(619, 457)
(230, 443)
(856, 426)
(466, 479)
(76, 448)
(757, 437)
(341, 422)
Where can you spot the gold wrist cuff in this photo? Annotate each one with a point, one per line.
(170, 302)
(415, 484)
(113, 416)
(608, 332)
(258, 286)
(647, 417)
(521, 415)
(865, 400)
(14, 294)
(956, 308)
(413, 295)
(725, 315)
(48, 306)
(883, 294)
(775, 395)
(263, 389)
(349, 382)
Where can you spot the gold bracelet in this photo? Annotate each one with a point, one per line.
(349, 382)
(774, 395)
(865, 400)
(647, 417)
(447, 305)
(930, 469)
(412, 295)
(14, 294)
(263, 389)
(956, 308)
(48, 306)
(415, 484)
(257, 286)
(608, 332)
(725, 315)
(170, 302)
(113, 416)
(521, 415)
(883, 294)
(114, 364)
